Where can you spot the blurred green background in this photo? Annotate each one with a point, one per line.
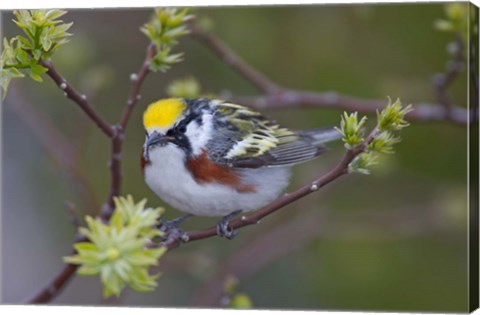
(394, 240)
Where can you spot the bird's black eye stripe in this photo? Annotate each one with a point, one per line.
(182, 128)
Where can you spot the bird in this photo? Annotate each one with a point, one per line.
(210, 157)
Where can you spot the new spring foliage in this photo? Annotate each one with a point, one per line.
(43, 34)
(390, 121)
(117, 251)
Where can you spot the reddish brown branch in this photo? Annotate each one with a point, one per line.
(137, 79)
(115, 167)
(80, 100)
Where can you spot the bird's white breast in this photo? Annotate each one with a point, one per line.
(168, 177)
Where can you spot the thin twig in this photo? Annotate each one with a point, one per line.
(79, 99)
(137, 79)
(115, 167)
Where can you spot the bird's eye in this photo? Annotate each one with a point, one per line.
(182, 129)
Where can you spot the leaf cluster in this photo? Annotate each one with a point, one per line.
(117, 250)
(44, 33)
(389, 121)
(391, 118)
(362, 163)
(352, 129)
(164, 28)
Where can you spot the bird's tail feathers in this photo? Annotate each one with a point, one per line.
(322, 135)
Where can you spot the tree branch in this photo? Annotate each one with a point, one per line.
(80, 100)
(115, 172)
(137, 79)
(276, 96)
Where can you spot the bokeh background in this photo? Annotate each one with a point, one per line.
(394, 240)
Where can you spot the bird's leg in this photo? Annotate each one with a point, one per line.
(165, 226)
(172, 226)
(222, 226)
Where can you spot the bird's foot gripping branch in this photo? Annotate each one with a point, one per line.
(122, 250)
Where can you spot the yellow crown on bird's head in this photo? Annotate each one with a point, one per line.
(161, 115)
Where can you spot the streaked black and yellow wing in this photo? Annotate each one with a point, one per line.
(247, 139)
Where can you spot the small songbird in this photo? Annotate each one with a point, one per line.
(209, 157)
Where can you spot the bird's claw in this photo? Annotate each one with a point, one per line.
(171, 228)
(223, 229)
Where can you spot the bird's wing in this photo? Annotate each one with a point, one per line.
(247, 139)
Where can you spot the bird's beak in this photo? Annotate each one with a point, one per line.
(154, 138)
